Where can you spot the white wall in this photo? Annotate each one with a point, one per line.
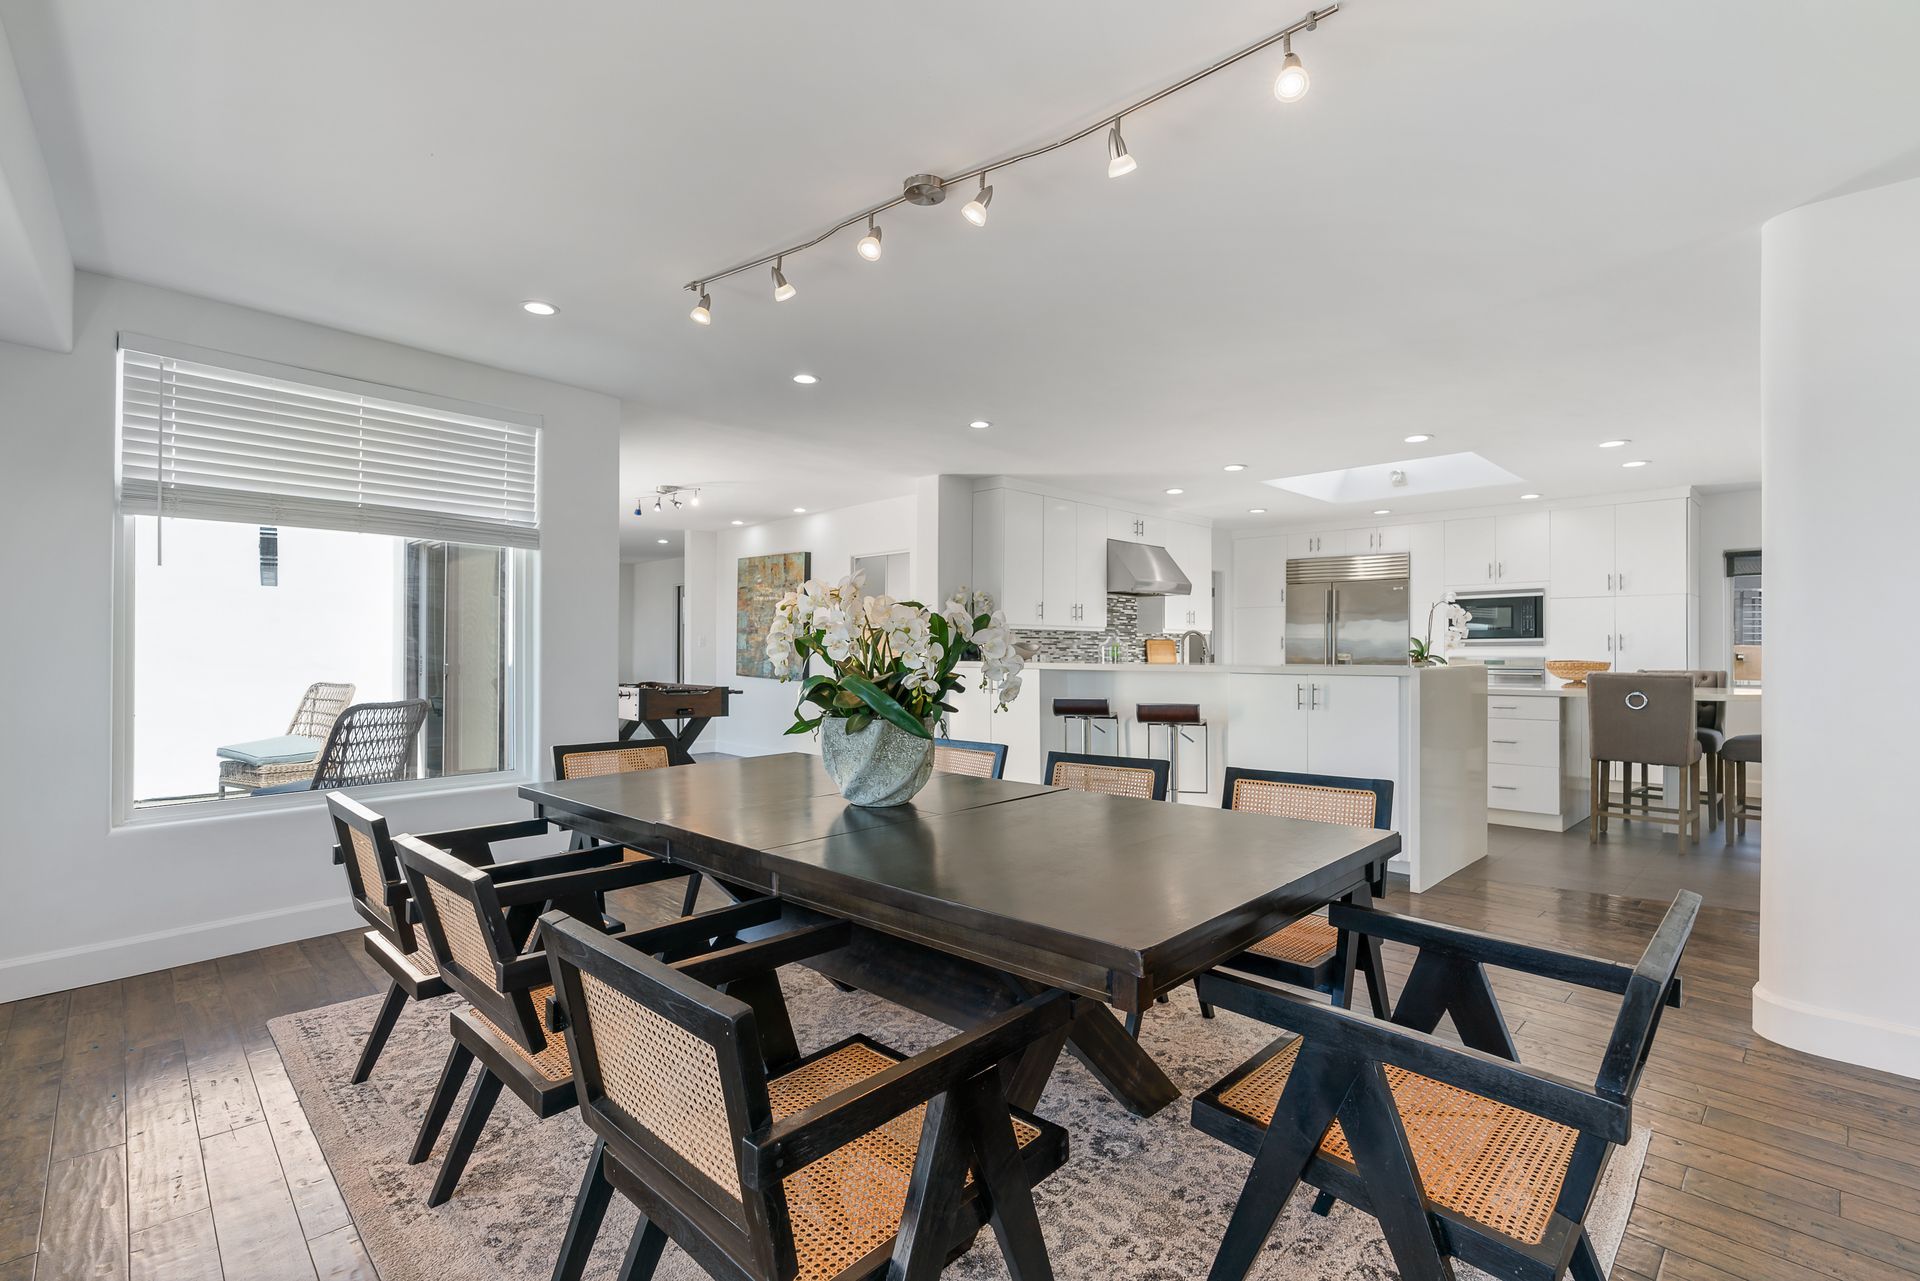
(1840, 332)
(1729, 521)
(757, 720)
(653, 619)
(84, 901)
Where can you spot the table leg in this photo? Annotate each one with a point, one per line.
(678, 745)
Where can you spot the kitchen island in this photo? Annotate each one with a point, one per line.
(1423, 728)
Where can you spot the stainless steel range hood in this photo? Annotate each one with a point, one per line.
(1142, 569)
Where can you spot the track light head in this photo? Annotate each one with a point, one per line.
(1120, 162)
(869, 246)
(975, 210)
(1291, 84)
(781, 289)
(695, 500)
(656, 502)
(702, 313)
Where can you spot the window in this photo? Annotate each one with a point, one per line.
(1743, 578)
(302, 557)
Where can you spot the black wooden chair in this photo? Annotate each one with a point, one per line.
(369, 743)
(587, 760)
(962, 756)
(478, 917)
(1311, 953)
(1458, 1150)
(840, 1164)
(1137, 776)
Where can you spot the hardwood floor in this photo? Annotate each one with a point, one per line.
(147, 1130)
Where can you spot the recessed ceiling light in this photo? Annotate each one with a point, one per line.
(661, 541)
(739, 522)
(1235, 467)
(1176, 491)
(805, 380)
(1638, 462)
(1527, 498)
(1383, 511)
(1614, 444)
(535, 307)
(1256, 511)
(799, 511)
(1418, 439)
(979, 424)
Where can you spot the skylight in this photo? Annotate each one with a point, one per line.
(1438, 475)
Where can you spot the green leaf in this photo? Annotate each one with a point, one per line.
(884, 705)
(814, 682)
(859, 721)
(801, 725)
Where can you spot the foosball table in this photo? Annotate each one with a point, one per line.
(654, 703)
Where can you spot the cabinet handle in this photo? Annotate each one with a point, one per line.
(1609, 642)
(1504, 707)
(1489, 570)
(1506, 742)
(1503, 787)
(1314, 706)
(1501, 567)
(1609, 582)
(1623, 642)
(1040, 610)
(1299, 696)
(1623, 582)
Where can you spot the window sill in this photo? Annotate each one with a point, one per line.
(238, 807)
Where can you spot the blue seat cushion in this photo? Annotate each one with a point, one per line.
(285, 749)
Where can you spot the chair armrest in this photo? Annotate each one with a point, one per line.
(475, 844)
(521, 869)
(545, 886)
(813, 1132)
(1528, 1089)
(1487, 949)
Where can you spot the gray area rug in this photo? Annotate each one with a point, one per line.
(1137, 1199)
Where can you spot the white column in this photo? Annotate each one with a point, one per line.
(1840, 881)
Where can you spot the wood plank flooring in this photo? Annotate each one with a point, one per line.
(148, 1131)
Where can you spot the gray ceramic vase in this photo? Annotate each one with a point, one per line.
(881, 765)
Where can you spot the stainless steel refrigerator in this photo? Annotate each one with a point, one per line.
(1348, 609)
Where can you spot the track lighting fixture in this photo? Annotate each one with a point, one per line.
(1120, 162)
(671, 494)
(1290, 85)
(975, 210)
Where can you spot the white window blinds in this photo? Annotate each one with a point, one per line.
(208, 436)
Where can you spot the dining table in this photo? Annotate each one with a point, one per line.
(981, 893)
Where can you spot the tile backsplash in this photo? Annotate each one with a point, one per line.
(1123, 625)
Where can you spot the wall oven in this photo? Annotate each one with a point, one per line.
(1506, 618)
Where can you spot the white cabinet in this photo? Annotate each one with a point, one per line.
(1301, 545)
(1369, 542)
(1134, 527)
(1191, 547)
(1260, 572)
(1581, 551)
(1042, 559)
(1580, 627)
(1260, 634)
(1650, 548)
(1353, 726)
(1267, 719)
(1498, 551)
(1650, 632)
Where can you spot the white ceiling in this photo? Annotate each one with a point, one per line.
(1519, 227)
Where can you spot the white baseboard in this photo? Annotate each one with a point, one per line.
(73, 967)
(1833, 1034)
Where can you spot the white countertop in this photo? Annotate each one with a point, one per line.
(1399, 670)
(1700, 695)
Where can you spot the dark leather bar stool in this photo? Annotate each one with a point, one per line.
(1735, 755)
(1180, 720)
(1089, 712)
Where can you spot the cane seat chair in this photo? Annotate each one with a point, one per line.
(960, 756)
(770, 1171)
(319, 707)
(591, 760)
(478, 917)
(1458, 1152)
(1311, 953)
(1140, 777)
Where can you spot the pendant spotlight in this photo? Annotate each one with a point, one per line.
(1122, 162)
(975, 210)
(679, 495)
(1290, 85)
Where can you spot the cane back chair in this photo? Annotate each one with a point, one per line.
(1458, 1152)
(841, 1164)
(961, 756)
(319, 707)
(478, 918)
(1143, 777)
(587, 760)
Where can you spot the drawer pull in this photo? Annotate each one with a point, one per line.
(1506, 707)
(1502, 787)
(1507, 742)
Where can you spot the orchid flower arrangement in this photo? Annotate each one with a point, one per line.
(890, 659)
(1421, 652)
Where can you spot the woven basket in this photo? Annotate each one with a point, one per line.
(1574, 671)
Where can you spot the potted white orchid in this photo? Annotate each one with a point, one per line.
(1421, 652)
(892, 668)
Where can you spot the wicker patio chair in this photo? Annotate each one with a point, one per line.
(478, 917)
(1142, 777)
(960, 756)
(1458, 1152)
(369, 743)
(852, 1161)
(319, 707)
(588, 760)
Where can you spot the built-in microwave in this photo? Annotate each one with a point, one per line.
(1506, 618)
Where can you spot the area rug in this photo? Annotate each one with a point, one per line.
(1144, 1199)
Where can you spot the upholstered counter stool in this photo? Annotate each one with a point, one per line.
(1710, 722)
(1180, 720)
(1638, 717)
(1735, 755)
(1089, 712)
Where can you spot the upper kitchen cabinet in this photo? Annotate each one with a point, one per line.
(1498, 551)
(1191, 547)
(1303, 545)
(1135, 527)
(1382, 538)
(1260, 572)
(1635, 549)
(1043, 559)
(1581, 548)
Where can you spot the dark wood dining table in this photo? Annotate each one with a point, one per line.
(983, 892)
